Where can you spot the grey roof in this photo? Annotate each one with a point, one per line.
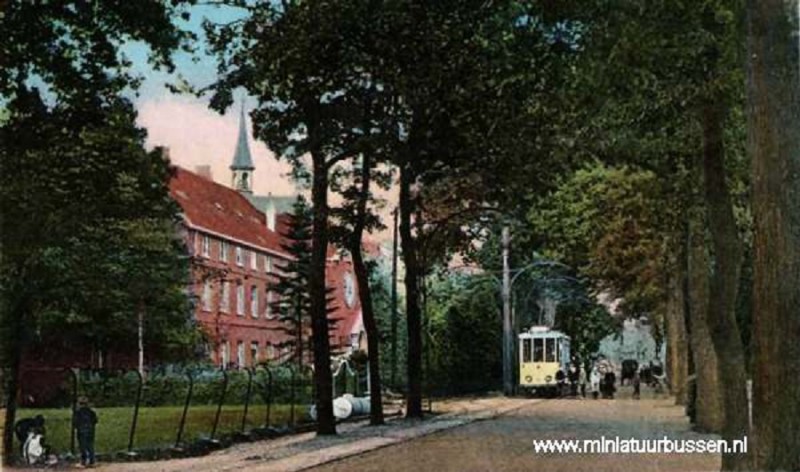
(283, 203)
(241, 157)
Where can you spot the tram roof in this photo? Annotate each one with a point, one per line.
(542, 332)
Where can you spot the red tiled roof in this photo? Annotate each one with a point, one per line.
(210, 206)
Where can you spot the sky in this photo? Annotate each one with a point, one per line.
(194, 134)
(197, 135)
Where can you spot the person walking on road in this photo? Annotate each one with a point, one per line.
(594, 382)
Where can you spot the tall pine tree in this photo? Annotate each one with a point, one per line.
(293, 302)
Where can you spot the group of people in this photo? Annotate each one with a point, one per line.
(30, 433)
(601, 380)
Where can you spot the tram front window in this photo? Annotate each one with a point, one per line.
(538, 350)
(526, 350)
(550, 350)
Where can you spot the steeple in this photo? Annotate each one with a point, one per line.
(242, 165)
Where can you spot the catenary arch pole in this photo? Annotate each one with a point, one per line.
(508, 347)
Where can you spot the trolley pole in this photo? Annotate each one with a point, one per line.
(508, 341)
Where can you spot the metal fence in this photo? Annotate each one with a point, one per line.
(173, 411)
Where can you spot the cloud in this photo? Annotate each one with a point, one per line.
(198, 136)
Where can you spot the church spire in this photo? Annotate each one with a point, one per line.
(242, 165)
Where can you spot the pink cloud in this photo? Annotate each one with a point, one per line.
(198, 136)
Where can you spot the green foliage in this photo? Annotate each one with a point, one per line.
(609, 223)
(92, 236)
(381, 280)
(465, 332)
(293, 302)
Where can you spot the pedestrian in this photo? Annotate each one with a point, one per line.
(582, 381)
(637, 381)
(84, 421)
(594, 382)
(573, 380)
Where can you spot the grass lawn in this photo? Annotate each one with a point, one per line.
(157, 427)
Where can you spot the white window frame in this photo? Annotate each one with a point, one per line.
(254, 260)
(254, 352)
(254, 301)
(206, 246)
(268, 312)
(239, 256)
(240, 355)
(267, 263)
(225, 354)
(225, 301)
(223, 251)
(208, 291)
(240, 301)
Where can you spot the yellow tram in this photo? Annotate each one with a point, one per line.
(543, 352)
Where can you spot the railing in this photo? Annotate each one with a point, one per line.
(167, 413)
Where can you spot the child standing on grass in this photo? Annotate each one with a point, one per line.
(83, 421)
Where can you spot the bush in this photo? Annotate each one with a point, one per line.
(169, 388)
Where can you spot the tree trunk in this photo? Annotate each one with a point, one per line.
(323, 381)
(677, 341)
(724, 281)
(774, 131)
(365, 296)
(413, 315)
(14, 351)
(709, 415)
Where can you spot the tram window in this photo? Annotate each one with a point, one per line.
(538, 350)
(526, 350)
(550, 350)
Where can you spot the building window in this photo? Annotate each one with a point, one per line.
(206, 246)
(253, 353)
(268, 311)
(239, 256)
(207, 295)
(240, 354)
(224, 354)
(240, 299)
(254, 260)
(254, 301)
(267, 263)
(223, 251)
(271, 356)
(225, 303)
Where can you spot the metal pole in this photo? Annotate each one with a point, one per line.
(393, 364)
(508, 361)
(185, 409)
(135, 411)
(75, 381)
(221, 401)
(141, 339)
(247, 398)
(269, 396)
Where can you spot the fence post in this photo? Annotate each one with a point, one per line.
(292, 395)
(185, 409)
(269, 395)
(135, 410)
(74, 372)
(250, 373)
(221, 401)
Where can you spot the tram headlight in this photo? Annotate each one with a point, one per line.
(528, 378)
(548, 379)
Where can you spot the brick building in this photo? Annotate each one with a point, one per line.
(236, 249)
